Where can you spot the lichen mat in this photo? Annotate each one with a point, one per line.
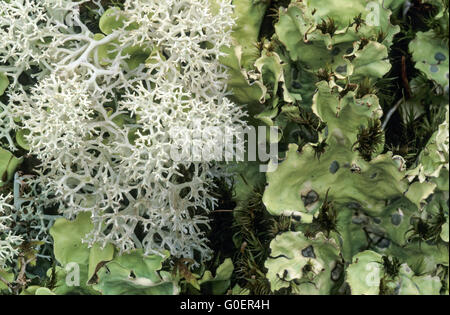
(117, 175)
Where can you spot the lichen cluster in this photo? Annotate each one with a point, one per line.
(96, 97)
(320, 74)
(105, 108)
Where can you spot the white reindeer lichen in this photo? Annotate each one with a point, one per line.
(105, 108)
(8, 240)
